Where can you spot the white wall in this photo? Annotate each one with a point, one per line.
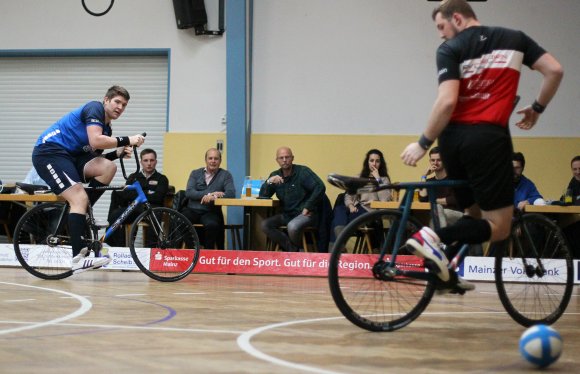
(320, 66)
(368, 66)
(197, 63)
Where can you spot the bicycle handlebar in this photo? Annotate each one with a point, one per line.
(144, 134)
(355, 185)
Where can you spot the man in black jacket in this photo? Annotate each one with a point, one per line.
(154, 184)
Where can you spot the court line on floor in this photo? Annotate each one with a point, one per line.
(85, 306)
(246, 346)
(129, 327)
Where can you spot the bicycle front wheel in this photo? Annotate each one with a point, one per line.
(41, 241)
(534, 271)
(370, 299)
(164, 244)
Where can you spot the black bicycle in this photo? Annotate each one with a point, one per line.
(166, 248)
(533, 269)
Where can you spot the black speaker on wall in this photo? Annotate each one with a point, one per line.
(190, 13)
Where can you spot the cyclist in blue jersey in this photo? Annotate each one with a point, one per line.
(479, 71)
(70, 152)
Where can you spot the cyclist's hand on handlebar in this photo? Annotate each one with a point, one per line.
(413, 153)
(125, 151)
(137, 140)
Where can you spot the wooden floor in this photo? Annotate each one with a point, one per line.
(123, 322)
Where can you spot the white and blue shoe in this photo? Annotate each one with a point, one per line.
(82, 263)
(425, 243)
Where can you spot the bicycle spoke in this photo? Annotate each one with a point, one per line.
(365, 300)
(539, 259)
(164, 244)
(41, 243)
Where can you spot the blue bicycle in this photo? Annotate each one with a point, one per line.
(166, 249)
(533, 270)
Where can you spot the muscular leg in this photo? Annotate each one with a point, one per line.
(101, 172)
(500, 221)
(78, 200)
(478, 226)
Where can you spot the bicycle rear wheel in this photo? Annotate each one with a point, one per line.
(164, 244)
(41, 241)
(369, 300)
(534, 271)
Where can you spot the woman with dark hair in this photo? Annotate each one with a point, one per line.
(374, 166)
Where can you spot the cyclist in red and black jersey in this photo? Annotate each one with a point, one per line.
(479, 70)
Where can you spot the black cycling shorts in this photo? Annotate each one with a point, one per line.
(482, 155)
(58, 168)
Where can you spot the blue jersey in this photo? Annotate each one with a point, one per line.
(70, 132)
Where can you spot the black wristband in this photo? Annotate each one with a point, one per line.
(424, 142)
(123, 141)
(537, 107)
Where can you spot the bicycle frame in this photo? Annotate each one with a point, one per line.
(396, 291)
(405, 209)
(140, 199)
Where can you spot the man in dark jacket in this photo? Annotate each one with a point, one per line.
(300, 192)
(154, 184)
(204, 186)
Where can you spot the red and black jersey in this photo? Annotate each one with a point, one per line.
(487, 61)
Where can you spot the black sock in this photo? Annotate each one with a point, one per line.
(467, 230)
(76, 228)
(94, 195)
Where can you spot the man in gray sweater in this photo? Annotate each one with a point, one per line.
(204, 186)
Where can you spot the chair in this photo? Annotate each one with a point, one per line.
(314, 237)
(363, 240)
(308, 237)
(180, 201)
(235, 235)
(5, 221)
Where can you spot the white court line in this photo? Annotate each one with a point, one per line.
(245, 344)
(190, 293)
(253, 292)
(126, 327)
(18, 301)
(86, 305)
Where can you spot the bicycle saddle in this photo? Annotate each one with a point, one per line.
(31, 188)
(351, 184)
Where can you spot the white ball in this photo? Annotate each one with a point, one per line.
(541, 345)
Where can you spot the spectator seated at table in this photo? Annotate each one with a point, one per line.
(301, 193)
(204, 186)
(375, 167)
(155, 186)
(525, 190)
(572, 228)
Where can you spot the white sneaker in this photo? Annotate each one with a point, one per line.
(88, 263)
(425, 243)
